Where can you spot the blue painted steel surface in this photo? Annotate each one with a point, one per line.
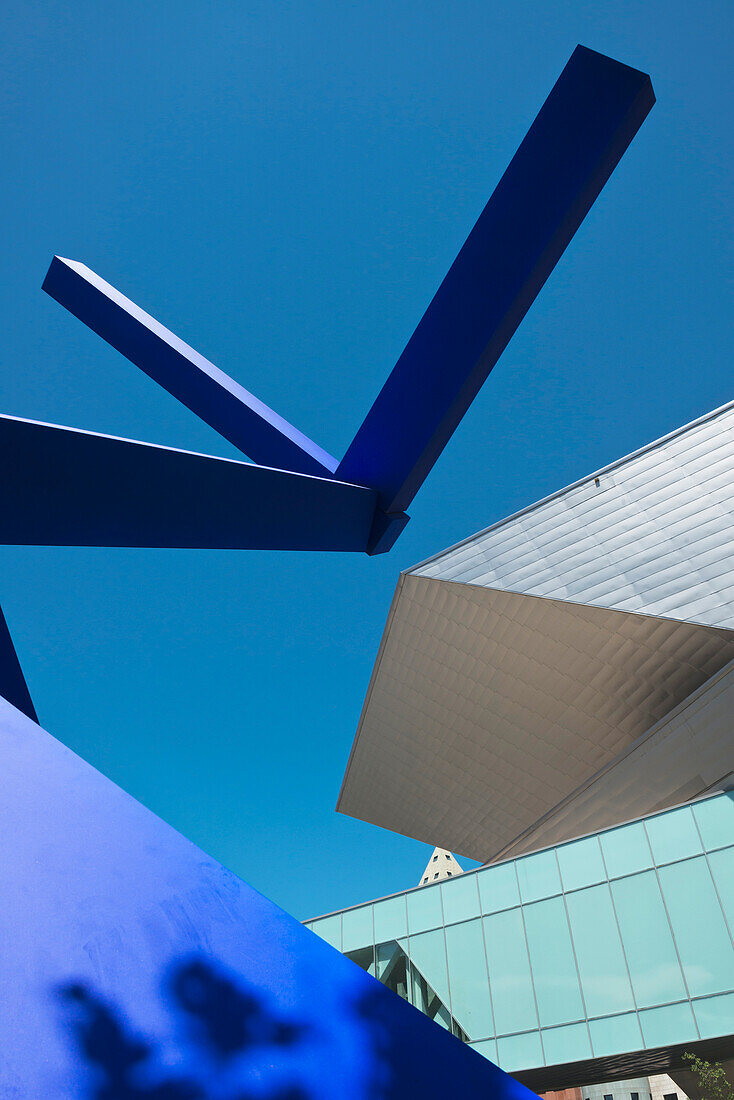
(587, 122)
(580, 134)
(12, 680)
(136, 966)
(222, 403)
(385, 531)
(66, 487)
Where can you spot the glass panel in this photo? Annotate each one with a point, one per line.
(428, 982)
(509, 972)
(538, 876)
(672, 1024)
(457, 1030)
(616, 1034)
(498, 888)
(520, 1052)
(392, 967)
(364, 957)
(698, 926)
(428, 955)
(673, 835)
(330, 929)
(488, 1049)
(715, 819)
(424, 909)
(469, 984)
(599, 951)
(390, 919)
(357, 928)
(435, 1010)
(722, 868)
(626, 850)
(554, 968)
(715, 1015)
(566, 1044)
(648, 944)
(460, 899)
(426, 1000)
(581, 863)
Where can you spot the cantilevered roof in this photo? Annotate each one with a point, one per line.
(519, 666)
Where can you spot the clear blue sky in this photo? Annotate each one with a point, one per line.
(284, 185)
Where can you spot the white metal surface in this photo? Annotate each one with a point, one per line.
(655, 535)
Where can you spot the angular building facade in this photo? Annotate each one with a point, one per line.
(569, 675)
(565, 669)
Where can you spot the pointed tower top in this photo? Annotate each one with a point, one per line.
(441, 865)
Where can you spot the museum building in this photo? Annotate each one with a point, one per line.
(554, 697)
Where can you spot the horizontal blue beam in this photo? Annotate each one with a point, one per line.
(66, 487)
(581, 132)
(217, 399)
(13, 686)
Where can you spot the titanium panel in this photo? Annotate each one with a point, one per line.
(653, 536)
(487, 709)
(688, 753)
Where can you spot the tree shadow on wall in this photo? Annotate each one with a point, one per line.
(223, 1022)
(226, 1040)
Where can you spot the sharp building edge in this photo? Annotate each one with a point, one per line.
(551, 666)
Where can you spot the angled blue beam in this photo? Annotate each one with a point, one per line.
(13, 686)
(571, 149)
(65, 487)
(217, 399)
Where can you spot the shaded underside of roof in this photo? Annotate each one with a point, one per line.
(687, 754)
(487, 709)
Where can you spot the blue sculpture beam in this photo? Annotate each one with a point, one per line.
(581, 132)
(12, 681)
(217, 399)
(590, 117)
(65, 487)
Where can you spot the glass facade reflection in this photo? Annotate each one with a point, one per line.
(612, 943)
(390, 963)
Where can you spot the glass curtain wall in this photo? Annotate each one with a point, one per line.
(612, 943)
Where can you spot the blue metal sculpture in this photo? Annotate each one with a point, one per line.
(13, 686)
(134, 966)
(590, 117)
(76, 488)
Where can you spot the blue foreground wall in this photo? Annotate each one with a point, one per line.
(135, 966)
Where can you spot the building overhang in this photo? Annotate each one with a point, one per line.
(561, 671)
(489, 709)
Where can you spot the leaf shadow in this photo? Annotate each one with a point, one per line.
(222, 1024)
